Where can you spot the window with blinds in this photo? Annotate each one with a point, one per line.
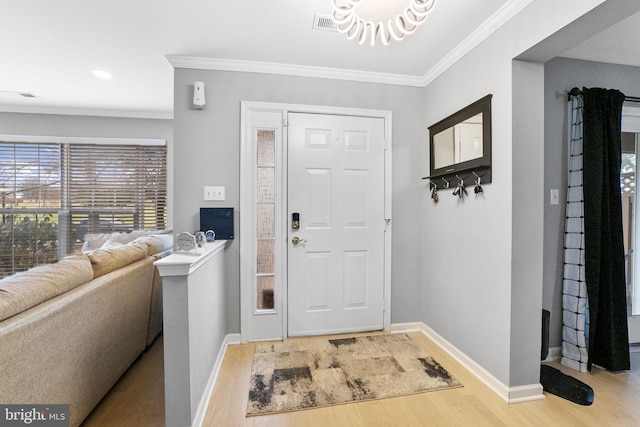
(54, 194)
(30, 197)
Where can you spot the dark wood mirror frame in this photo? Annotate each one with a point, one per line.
(481, 166)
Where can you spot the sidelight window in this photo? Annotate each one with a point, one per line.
(265, 218)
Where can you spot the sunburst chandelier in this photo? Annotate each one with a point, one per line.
(382, 20)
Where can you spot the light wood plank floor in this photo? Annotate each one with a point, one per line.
(138, 401)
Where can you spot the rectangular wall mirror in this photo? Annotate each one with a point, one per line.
(461, 144)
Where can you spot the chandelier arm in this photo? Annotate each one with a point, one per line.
(422, 7)
(414, 20)
(341, 16)
(393, 33)
(363, 32)
(404, 27)
(417, 11)
(344, 29)
(344, 25)
(424, 4)
(355, 29)
(375, 30)
(384, 38)
(340, 13)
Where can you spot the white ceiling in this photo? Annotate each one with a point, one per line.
(618, 44)
(49, 49)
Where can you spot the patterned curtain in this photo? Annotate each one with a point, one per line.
(575, 304)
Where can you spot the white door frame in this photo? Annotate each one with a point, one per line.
(247, 215)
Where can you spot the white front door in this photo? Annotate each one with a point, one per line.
(336, 188)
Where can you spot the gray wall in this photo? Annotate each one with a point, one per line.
(208, 153)
(562, 74)
(482, 282)
(93, 127)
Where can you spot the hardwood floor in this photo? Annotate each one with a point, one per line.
(138, 400)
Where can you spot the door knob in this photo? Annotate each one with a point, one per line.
(296, 240)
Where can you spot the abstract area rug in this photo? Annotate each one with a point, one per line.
(303, 374)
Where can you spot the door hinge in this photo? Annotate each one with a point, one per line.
(285, 122)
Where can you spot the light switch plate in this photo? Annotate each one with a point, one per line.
(554, 197)
(213, 193)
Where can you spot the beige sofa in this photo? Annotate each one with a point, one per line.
(68, 331)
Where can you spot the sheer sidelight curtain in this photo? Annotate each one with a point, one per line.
(594, 289)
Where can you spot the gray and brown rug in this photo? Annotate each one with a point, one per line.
(302, 374)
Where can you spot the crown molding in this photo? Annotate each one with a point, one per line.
(75, 111)
(495, 21)
(292, 70)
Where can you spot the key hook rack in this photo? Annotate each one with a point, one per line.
(443, 182)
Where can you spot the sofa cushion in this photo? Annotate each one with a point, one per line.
(27, 289)
(106, 260)
(93, 241)
(157, 243)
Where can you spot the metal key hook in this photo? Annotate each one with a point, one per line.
(446, 183)
(478, 188)
(434, 191)
(460, 188)
(478, 180)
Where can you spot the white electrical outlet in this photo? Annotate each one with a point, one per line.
(213, 193)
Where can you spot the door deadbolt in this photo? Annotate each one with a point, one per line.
(295, 221)
(296, 240)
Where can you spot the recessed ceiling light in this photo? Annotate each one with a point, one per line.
(102, 74)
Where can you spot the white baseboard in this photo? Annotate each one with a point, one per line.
(229, 339)
(398, 328)
(233, 339)
(508, 394)
(525, 393)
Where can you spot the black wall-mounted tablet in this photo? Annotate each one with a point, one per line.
(220, 220)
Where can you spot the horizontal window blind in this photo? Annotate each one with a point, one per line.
(54, 194)
(30, 197)
(116, 188)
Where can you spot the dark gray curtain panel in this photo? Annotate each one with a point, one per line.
(608, 343)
